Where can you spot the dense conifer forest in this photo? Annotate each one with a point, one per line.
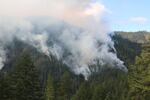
(31, 75)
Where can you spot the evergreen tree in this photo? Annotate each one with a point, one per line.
(4, 89)
(99, 93)
(139, 79)
(50, 92)
(65, 89)
(24, 81)
(84, 92)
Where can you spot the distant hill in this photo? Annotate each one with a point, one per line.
(138, 37)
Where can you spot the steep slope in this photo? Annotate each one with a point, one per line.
(137, 37)
(46, 65)
(126, 49)
(105, 82)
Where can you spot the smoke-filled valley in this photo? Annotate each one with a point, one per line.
(76, 47)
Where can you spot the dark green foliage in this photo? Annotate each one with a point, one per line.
(126, 50)
(110, 84)
(140, 76)
(65, 87)
(23, 83)
(39, 77)
(50, 92)
(84, 92)
(4, 89)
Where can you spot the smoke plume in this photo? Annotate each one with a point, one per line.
(74, 31)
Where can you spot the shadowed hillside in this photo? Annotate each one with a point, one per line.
(53, 80)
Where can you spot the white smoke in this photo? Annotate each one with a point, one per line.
(2, 57)
(73, 31)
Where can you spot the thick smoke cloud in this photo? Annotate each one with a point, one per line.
(72, 30)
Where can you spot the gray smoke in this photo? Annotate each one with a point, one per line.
(78, 36)
(78, 48)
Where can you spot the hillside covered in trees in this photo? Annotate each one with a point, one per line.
(31, 75)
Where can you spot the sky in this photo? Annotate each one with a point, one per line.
(123, 15)
(128, 15)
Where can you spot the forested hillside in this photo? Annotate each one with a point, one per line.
(31, 75)
(137, 37)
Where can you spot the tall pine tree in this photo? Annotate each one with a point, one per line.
(24, 80)
(65, 88)
(50, 92)
(84, 92)
(139, 79)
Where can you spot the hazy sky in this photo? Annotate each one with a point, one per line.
(129, 15)
(123, 15)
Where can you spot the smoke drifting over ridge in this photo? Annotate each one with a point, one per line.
(73, 30)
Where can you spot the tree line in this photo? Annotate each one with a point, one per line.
(23, 82)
